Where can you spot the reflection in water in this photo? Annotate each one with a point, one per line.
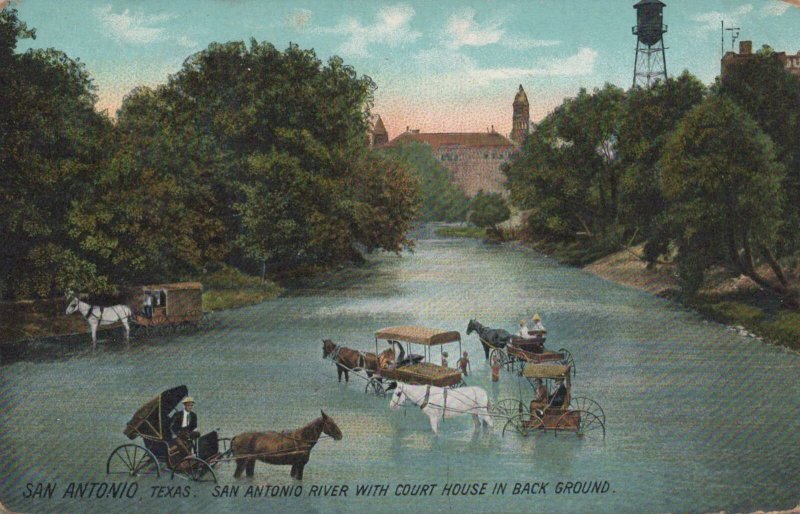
(690, 406)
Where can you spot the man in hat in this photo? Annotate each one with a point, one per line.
(523, 331)
(541, 400)
(184, 422)
(559, 397)
(537, 325)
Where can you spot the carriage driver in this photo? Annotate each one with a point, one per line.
(541, 400)
(184, 422)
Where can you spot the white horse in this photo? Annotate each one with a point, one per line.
(96, 316)
(439, 403)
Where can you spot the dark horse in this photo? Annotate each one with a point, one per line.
(496, 336)
(282, 448)
(347, 359)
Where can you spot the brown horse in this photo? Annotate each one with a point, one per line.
(282, 448)
(347, 359)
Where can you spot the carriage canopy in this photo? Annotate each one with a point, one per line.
(151, 421)
(545, 371)
(418, 335)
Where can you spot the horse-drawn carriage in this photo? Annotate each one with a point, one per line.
(556, 410)
(511, 352)
(410, 368)
(168, 307)
(416, 369)
(159, 452)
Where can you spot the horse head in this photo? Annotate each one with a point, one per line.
(330, 428)
(398, 398)
(472, 326)
(328, 347)
(73, 305)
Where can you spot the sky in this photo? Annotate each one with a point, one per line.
(440, 66)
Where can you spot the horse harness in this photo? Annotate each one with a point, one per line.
(90, 313)
(428, 396)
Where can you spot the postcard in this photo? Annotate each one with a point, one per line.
(272, 256)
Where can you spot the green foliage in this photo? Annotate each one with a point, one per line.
(732, 311)
(783, 329)
(488, 209)
(51, 142)
(247, 156)
(723, 183)
(647, 120)
(468, 231)
(568, 168)
(440, 199)
(229, 288)
(763, 88)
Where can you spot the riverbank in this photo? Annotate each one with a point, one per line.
(227, 288)
(734, 301)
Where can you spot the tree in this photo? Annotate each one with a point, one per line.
(52, 141)
(764, 89)
(647, 120)
(251, 155)
(568, 170)
(487, 210)
(722, 179)
(440, 198)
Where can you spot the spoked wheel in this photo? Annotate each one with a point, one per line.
(523, 423)
(583, 423)
(568, 360)
(374, 386)
(587, 404)
(507, 408)
(141, 330)
(496, 357)
(195, 469)
(132, 460)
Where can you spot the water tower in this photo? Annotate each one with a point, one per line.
(651, 58)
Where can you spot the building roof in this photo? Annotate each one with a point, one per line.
(379, 127)
(521, 97)
(453, 139)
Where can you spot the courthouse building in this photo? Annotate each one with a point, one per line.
(474, 158)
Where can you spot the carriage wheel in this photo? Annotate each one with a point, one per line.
(588, 425)
(568, 360)
(496, 357)
(195, 469)
(374, 386)
(132, 460)
(507, 407)
(589, 405)
(523, 423)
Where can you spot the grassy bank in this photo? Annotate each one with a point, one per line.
(734, 301)
(776, 326)
(468, 231)
(229, 288)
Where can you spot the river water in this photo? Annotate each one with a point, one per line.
(698, 418)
